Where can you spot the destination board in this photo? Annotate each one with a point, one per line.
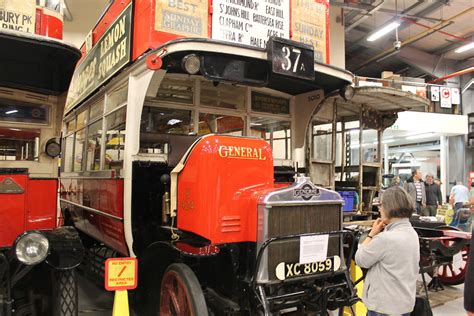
(18, 15)
(250, 22)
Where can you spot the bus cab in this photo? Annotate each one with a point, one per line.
(37, 254)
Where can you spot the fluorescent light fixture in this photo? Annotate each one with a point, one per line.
(384, 30)
(464, 48)
(11, 111)
(419, 136)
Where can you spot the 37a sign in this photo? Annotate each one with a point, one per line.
(121, 274)
(291, 58)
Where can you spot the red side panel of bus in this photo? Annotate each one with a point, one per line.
(12, 208)
(105, 197)
(41, 204)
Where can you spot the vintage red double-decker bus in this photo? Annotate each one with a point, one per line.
(180, 134)
(36, 254)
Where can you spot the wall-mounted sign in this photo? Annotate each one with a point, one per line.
(434, 93)
(310, 25)
(109, 55)
(18, 15)
(455, 96)
(269, 104)
(250, 22)
(186, 18)
(445, 97)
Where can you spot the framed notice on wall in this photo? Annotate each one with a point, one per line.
(310, 25)
(18, 15)
(186, 18)
(250, 22)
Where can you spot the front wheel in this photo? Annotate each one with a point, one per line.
(181, 293)
(64, 300)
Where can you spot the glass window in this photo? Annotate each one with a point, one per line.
(115, 139)
(220, 124)
(156, 121)
(68, 150)
(117, 97)
(96, 110)
(19, 144)
(369, 147)
(322, 141)
(82, 119)
(19, 111)
(176, 90)
(276, 132)
(222, 95)
(79, 149)
(94, 141)
(70, 125)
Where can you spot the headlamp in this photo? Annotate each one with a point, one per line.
(191, 63)
(31, 248)
(52, 148)
(347, 92)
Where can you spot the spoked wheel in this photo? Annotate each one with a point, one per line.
(454, 272)
(181, 293)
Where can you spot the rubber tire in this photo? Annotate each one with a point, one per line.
(64, 300)
(193, 287)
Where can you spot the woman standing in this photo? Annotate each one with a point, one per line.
(391, 252)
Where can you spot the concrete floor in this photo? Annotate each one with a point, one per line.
(94, 301)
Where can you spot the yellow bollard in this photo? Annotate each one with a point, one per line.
(359, 308)
(121, 304)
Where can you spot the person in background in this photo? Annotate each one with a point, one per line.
(459, 196)
(416, 189)
(390, 284)
(395, 181)
(433, 197)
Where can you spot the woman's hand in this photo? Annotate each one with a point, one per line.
(377, 227)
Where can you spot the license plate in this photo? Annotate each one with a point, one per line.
(286, 270)
(291, 58)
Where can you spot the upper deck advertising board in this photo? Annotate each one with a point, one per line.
(185, 18)
(107, 57)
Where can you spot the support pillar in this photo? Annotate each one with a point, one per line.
(385, 159)
(443, 158)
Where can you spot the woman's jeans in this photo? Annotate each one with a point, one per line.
(372, 313)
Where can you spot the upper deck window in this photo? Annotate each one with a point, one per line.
(24, 112)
